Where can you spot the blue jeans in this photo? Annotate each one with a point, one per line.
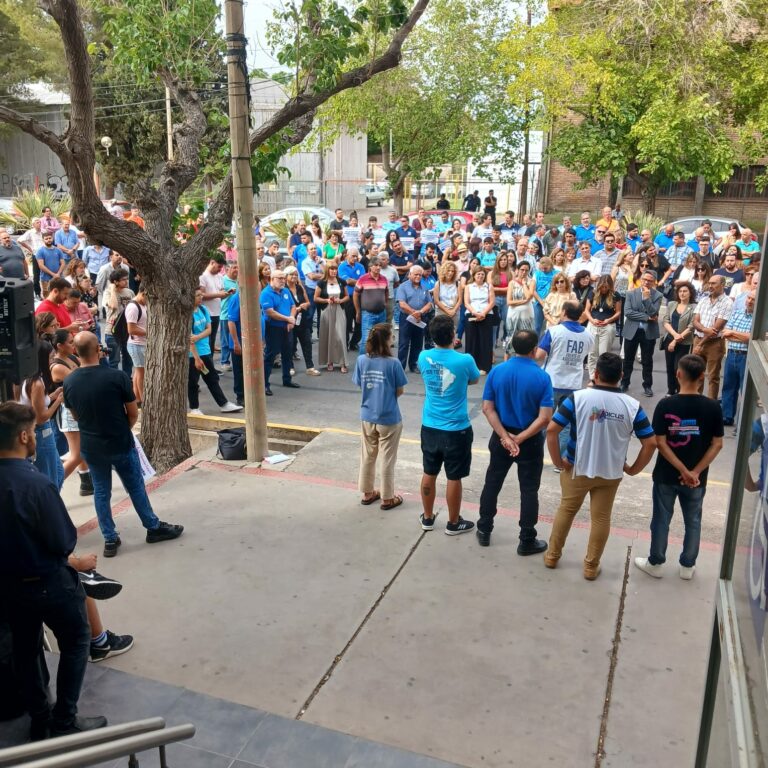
(118, 353)
(733, 378)
(369, 319)
(409, 344)
(538, 317)
(501, 308)
(691, 502)
(129, 471)
(225, 342)
(47, 458)
(565, 432)
(462, 322)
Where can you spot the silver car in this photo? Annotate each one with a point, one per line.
(691, 223)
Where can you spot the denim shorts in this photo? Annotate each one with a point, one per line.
(453, 450)
(138, 353)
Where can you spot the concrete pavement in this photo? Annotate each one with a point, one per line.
(286, 595)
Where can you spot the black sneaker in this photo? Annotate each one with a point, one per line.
(115, 645)
(164, 532)
(427, 523)
(97, 586)
(111, 547)
(462, 526)
(647, 391)
(483, 538)
(533, 547)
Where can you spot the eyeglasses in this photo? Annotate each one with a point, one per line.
(601, 231)
(701, 269)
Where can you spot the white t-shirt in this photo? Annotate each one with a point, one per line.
(33, 239)
(565, 363)
(592, 264)
(137, 314)
(393, 279)
(211, 284)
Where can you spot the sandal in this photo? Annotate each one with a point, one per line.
(329, 368)
(365, 502)
(344, 369)
(396, 502)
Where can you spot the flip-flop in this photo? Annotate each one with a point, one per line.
(376, 496)
(396, 502)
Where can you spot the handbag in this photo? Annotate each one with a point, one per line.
(232, 444)
(494, 317)
(664, 343)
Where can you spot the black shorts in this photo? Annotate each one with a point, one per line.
(453, 450)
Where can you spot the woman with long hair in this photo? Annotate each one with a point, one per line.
(582, 287)
(479, 302)
(559, 263)
(316, 231)
(622, 274)
(465, 278)
(519, 302)
(34, 391)
(686, 271)
(701, 281)
(331, 294)
(265, 274)
(677, 340)
(558, 295)
(603, 311)
(446, 291)
(382, 380)
(65, 361)
(389, 241)
(74, 270)
(642, 263)
(46, 324)
(500, 278)
(729, 238)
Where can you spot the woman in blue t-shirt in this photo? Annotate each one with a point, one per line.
(382, 379)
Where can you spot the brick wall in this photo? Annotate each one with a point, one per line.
(563, 197)
(675, 208)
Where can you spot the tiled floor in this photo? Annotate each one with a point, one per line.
(228, 735)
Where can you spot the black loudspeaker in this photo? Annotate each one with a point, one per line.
(18, 340)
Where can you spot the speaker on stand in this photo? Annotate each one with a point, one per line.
(18, 340)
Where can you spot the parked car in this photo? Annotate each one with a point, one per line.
(372, 195)
(691, 223)
(465, 216)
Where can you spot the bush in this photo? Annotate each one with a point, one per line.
(29, 204)
(645, 221)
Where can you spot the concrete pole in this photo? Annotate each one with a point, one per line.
(242, 183)
(168, 123)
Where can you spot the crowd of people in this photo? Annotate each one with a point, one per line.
(553, 317)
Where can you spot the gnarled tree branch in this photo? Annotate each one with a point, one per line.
(37, 130)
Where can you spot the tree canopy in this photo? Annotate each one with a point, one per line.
(641, 89)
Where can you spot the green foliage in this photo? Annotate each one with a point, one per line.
(629, 91)
(29, 204)
(317, 38)
(265, 161)
(645, 220)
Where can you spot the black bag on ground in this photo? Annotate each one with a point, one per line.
(232, 444)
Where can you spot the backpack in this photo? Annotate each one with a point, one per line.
(120, 326)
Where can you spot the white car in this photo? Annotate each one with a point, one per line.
(372, 195)
(275, 225)
(691, 223)
(6, 206)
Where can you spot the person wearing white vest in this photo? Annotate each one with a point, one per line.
(602, 420)
(564, 348)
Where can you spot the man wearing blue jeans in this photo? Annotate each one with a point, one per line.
(689, 435)
(414, 302)
(104, 405)
(737, 333)
(370, 298)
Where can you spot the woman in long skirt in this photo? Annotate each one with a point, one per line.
(480, 302)
(331, 294)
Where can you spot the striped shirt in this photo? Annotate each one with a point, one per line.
(740, 321)
(709, 311)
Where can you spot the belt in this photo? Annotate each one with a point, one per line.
(737, 351)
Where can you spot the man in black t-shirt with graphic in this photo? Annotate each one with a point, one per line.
(689, 433)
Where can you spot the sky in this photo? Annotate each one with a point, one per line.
(257, 13)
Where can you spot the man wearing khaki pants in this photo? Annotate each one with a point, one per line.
(602, 420)
(711, 316)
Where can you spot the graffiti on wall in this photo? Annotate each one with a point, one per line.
(11, 184)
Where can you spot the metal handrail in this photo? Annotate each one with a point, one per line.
(98, 753)
(38, 749)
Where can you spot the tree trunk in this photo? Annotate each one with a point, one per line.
(164, 430)
(648, 195)
(398, 194)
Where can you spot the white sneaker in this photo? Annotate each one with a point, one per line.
(687, 573)
(195, 412)
(225, 367)
(230, 408)
(652, 570)
(557, 470)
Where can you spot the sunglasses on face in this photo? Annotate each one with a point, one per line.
(701, 269)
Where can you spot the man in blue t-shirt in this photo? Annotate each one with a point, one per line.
(50, 260)
(350, 271)
(446, 432)
(518, 403)
(585, 231)
(280, 311)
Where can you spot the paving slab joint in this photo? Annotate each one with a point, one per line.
(600, 752)
(337, 659)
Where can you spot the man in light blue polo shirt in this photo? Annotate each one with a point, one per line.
(415, 302)
(446, 432)
(280, 310)
(518, 403)
(350, 271)
(312, 269)
(66, 240)
(585, 231)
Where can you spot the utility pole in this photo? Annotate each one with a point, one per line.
(526, 146)
(242, 186)
(168, 123)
